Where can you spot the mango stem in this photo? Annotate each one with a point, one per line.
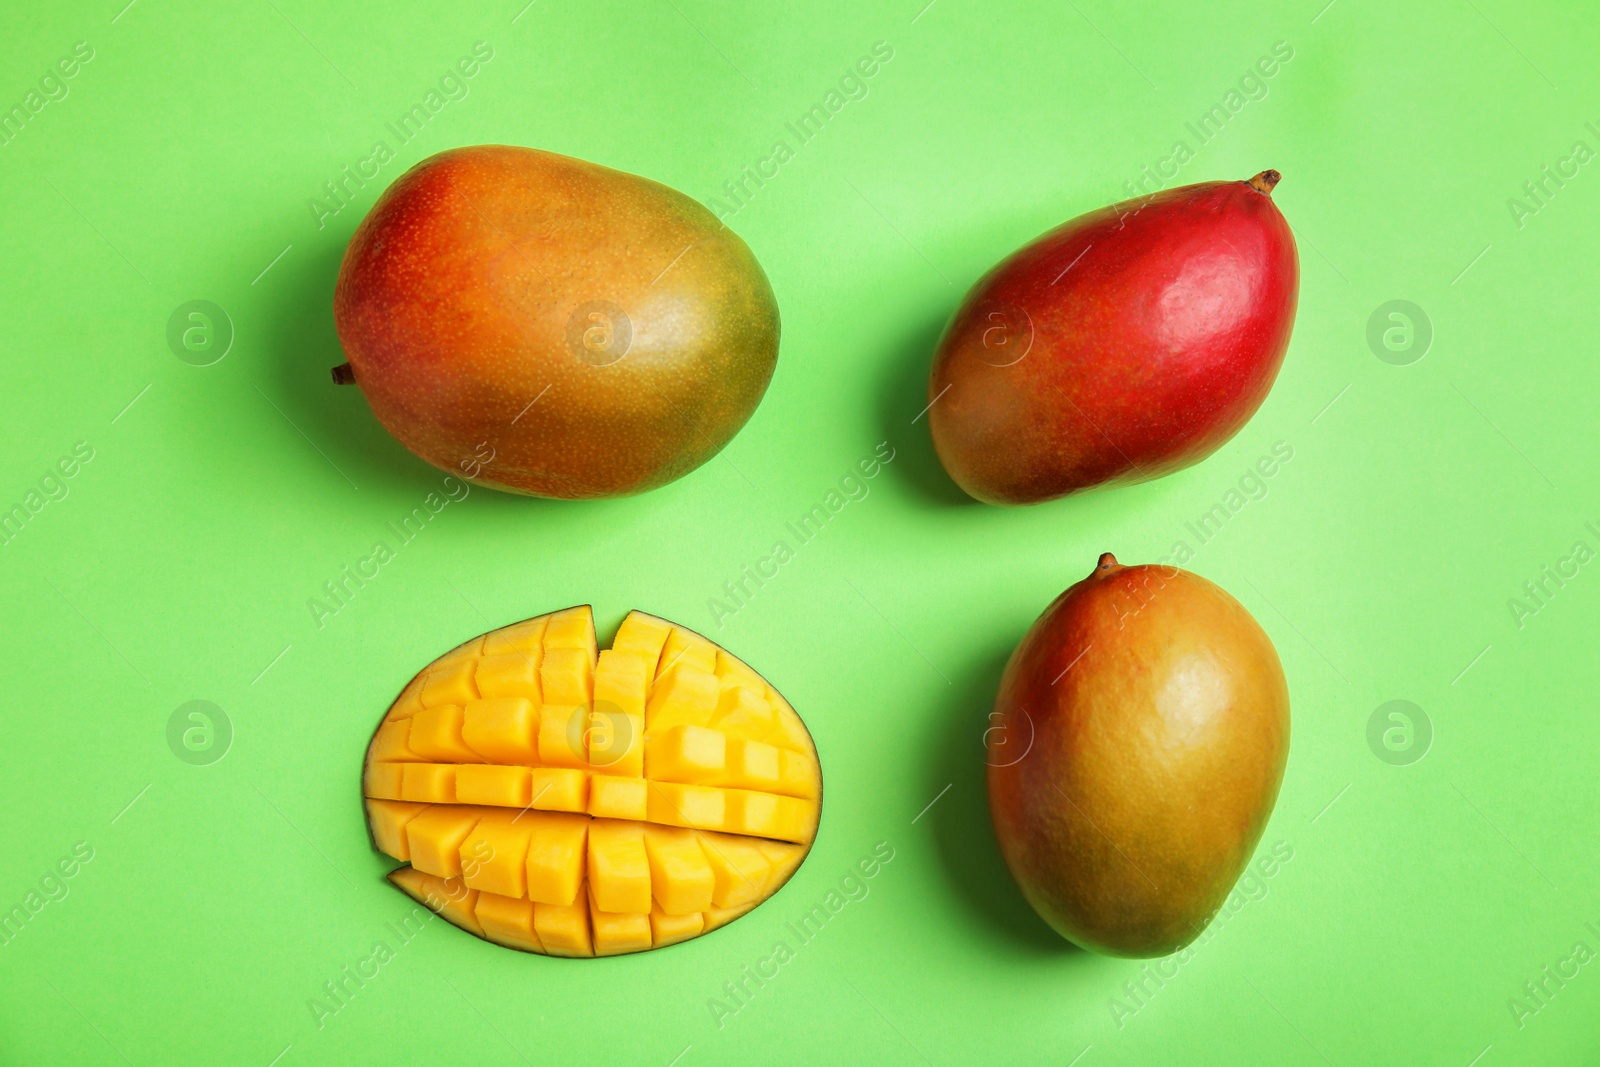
(1265, 182)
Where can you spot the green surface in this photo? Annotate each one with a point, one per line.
(1382, 558)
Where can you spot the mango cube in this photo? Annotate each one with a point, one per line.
(520, 637)
(508, 921)
(382, 781)
(613, 797)
(618, 932)
(671, 804)
(502, 730)
(449, 684)
(557, 855)
(687, 754)
(494, 856)
(571, 628)
(387, 820)
(561, 736)
(670, 929)
(434, 838)
(739, 869)
(512, 674)
(682, 695)
(619, 869)
(734, 673)
(563, 929)
(689, 649)
(483, 783)
(644, 634)
(435, 735)
(745, 713)
(615, 741)
(623, 679)
(754, 765)
(799, 775)
(566, 676)
(427, 783)
(559, 789)
(389, 743)
(680, 875)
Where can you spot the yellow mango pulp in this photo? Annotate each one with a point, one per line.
(556, 797)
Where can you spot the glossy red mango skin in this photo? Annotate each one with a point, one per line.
(456, 302)
(1154, 716)
(1152, 331)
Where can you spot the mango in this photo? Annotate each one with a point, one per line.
(543, 325)
(1121, 346)
(1134, 756)
(596, 801)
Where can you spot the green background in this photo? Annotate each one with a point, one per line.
(1381, 559)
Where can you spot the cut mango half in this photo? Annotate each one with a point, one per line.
(551, 796)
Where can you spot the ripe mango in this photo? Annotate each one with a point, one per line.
(1121, 346)
(1138, 742)
(547, 326)
(554, 797)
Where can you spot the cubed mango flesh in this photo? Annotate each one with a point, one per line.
(555, 798)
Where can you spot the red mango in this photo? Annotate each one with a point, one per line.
(1124, 345)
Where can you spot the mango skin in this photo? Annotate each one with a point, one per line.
(489, 277)
(1119, 347)
(1154, 716)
